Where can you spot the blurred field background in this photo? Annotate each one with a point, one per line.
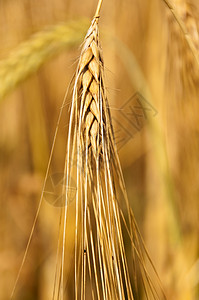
(146, 51)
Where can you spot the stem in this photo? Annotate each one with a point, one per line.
(98, 8)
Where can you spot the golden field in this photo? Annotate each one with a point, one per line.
(152, 80)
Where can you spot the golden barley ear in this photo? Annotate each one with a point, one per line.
(183, 46)
(102, 269)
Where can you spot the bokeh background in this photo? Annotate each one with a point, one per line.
(147, 50)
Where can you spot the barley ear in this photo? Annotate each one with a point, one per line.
(102, 269)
